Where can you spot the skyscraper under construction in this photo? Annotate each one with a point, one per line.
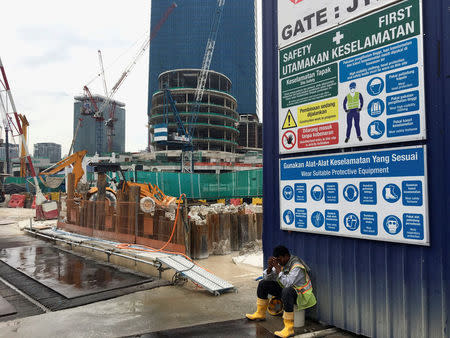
(181, 41)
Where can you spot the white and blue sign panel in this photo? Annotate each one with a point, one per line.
(379, 195)
(160, 133)
(360, 83)
(391, 83)
(299, 19)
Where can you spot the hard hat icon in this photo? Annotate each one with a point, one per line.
(375, 86)
(352, 85)
(317, 193)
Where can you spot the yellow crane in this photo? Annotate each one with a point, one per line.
(23, 155)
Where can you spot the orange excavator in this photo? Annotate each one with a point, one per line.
(76, 161)
(150, 195)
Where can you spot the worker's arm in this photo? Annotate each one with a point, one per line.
(361, 102)
(345, 104)
(270, 274)
(295, 277)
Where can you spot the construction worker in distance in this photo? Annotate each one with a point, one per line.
(286, 277)
(353, 104)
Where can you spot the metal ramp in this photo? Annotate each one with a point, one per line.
(196, 274)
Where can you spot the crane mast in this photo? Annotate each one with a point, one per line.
(6, 126)
(102, 72)
(209, 51)
(187, 154)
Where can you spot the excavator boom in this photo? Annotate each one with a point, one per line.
(75, 160)
(156, 194)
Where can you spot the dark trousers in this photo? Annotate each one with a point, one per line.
(288, 295)
(353, 114)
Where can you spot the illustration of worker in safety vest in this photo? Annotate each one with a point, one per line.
(353, 104)
(287, 279)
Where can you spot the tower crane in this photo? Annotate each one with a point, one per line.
(102, 72)
(7, 128)
(187, 164)
(23, 164)
(40, 199)
(109, 123)
(75, 136)
(98, 113)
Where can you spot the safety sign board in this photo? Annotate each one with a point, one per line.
(359, 84)
(289, 121)
(289, 140)
(299, 19)
(379, 195)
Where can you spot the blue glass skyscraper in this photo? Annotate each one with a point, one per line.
(181, 41)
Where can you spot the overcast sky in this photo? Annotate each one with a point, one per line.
(49, 51)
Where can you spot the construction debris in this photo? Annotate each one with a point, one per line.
(199, 213)
(253, 259)
(251, 247)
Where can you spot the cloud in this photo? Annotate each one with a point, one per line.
(55, 44)
(50, 51)
(52, 94)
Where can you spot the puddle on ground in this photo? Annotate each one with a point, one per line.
(67, 274)
(234, 328)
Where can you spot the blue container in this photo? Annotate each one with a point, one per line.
(373, 288)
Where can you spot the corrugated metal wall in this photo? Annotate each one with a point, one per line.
(374, 288)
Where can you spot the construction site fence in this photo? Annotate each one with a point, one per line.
(124, 222)
(240, 184)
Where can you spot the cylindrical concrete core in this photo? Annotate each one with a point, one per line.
(215, 128)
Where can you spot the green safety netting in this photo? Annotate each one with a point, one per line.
(240, 184)
(28, 183)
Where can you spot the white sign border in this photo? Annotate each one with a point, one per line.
(325, 28)
(425, 242)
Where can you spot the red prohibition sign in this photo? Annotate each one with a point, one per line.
(289, 140)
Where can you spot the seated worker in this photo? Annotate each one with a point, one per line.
(286, 277)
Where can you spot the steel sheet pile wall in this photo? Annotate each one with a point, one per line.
(374, 288)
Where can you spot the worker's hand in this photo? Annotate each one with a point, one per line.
(270, 263)
(346, 110)
(278, 267)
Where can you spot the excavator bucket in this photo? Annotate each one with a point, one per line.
(52, 181)
(55, 181)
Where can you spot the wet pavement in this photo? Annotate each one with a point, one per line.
(159, 312)
(6, 308)
(22, 306)
(45, 277)
(233, 328)
(68, 274)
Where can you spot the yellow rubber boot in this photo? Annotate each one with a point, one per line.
(288, 319)
(261, 308)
